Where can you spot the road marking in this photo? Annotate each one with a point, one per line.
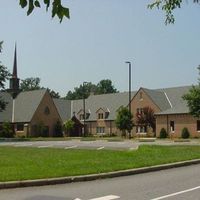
(71, 147)
(45, 146)
(100, 148)
(23, 145)
(177, 193)
(110, 197)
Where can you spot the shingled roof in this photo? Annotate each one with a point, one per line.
(110, 102)
(174, 95)
(23, 107)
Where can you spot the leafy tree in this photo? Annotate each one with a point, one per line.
(4, 75)
(105, 86)
(57, 8)
(53, 93)
(193, 99)
(84, 90)
(146, 117)
(124, 120)
(168, 6)
(29, 84)
(68, 126)
(7, 130)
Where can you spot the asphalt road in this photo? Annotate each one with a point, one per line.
(178, 183)
(98, 144)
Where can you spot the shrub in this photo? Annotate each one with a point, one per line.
(58, 129)
(163, 133)
(185, 133)
(7, 130)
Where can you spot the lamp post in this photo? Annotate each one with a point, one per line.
(129, 64)
(84, 128)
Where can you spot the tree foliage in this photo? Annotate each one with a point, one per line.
(57, 8)
(4, 75)
(68, 126)
(29, 84)
(53, 93)
(168, 6)
(146, 117)
(84, 90)
(124, 120)
(193, 99)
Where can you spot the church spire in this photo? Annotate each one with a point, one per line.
(14, 75)
(14, 80)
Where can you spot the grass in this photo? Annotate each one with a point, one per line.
(17, 163)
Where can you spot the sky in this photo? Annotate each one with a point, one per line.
(99, 38)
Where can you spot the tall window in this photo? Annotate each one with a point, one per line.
(100, 115)
(198, 125)
(141, 97)
(172, 126)
(100, 130)
(81, 116)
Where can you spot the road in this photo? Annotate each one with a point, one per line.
(173, 184)
(97, 145)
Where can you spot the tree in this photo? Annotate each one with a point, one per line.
(29, 84)
(105, 86)
(57, 8)
(84, 90)
(7, 130)
(146, 118)
(68, 126)
(124, 120)
(168, 6)
(4, 75)
(53, 93)
(193, 99)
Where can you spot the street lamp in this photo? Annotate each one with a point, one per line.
(129, 64)
(84, 128)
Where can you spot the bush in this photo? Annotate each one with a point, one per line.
(7, 130)
(185, 133)
(163, 133)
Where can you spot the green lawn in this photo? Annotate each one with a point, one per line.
(18, 163)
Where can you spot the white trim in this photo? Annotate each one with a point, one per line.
(72, 108)
(13, 111)
(168, 100)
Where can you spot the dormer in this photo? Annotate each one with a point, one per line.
(80, 114)
(102, 113)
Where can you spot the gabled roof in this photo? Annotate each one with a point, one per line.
(109, 101)
(64, 108)
(159, 98)
(23, 107)
(6, 115)
(26, 104)
(178, 105)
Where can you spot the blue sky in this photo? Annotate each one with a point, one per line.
(95, 43)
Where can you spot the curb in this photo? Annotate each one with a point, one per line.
(63, 180)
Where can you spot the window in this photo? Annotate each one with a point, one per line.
(100, 130)
(100, 115)
(20, 127)
(81, 116)
(172, 126)
(46, 110)
(140, 111)
(141, 97)
(141, 129)
(198, 125)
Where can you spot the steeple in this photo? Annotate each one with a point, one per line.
(14, 80)
(14, 75)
